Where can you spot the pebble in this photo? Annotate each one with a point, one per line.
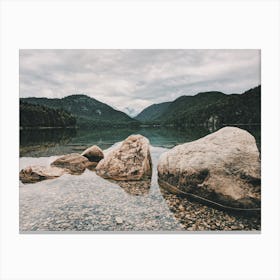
(181, 207)
(197, 217)
(119, 220)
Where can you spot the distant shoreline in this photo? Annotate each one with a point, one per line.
(46, 127)
(141, 126)
(195, 125)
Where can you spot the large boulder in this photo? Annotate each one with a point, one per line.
(94, 154)
(33, 174)
(223, 167)
(129, 161)
(72, 163)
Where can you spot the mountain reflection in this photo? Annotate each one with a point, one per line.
(49, 142)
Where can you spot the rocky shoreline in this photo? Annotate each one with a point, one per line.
(103, 206)
(195, 216)
(223, 167)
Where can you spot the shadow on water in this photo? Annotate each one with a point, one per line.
(194, 215)
(134, 187)
(48, 142)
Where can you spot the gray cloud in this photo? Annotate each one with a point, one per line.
(136, 78)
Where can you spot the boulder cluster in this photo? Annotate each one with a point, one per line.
(130, 161)
(223, 167)
(72, 163)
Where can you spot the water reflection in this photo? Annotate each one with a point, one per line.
(47, 142)
(46, 136)
(40, 142)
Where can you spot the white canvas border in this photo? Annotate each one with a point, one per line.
(157, 24)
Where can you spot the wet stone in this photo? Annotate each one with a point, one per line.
(91, 203)
(119, 220)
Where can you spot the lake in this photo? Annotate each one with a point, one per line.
(49, 142)
(89, 203)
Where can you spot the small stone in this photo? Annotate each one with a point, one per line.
(234, 227)
(181, 207)
(119, 220)
(93, 154)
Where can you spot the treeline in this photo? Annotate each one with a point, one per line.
(208, 109)
(89, 112)
(32, 115)
(230, 109)
(90, 123)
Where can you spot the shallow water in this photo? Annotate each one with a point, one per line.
(49, 142)
(88, 202)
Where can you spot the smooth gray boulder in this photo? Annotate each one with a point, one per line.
(33, 174)
(129, 161)
(72, 163)
(94, 154)
(223, 167)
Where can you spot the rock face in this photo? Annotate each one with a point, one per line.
(73, 163)
(93, 154)
(130, 161)
(33, 174)
(223, 167)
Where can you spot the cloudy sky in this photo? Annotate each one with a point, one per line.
(136, 78)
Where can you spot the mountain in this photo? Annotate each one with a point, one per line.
(130, 112)
(88, 111)
(152, 112)
(34, 115)
(207, 108)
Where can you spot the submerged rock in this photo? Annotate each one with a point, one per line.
(135, 187)
(33, 174)
(119, 220)
(94, 154)
(73, 163)
(223, 167)
(129, 161)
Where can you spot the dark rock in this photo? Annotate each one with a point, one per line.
(93, 154)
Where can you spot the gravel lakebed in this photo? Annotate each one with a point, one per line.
(89, 203)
